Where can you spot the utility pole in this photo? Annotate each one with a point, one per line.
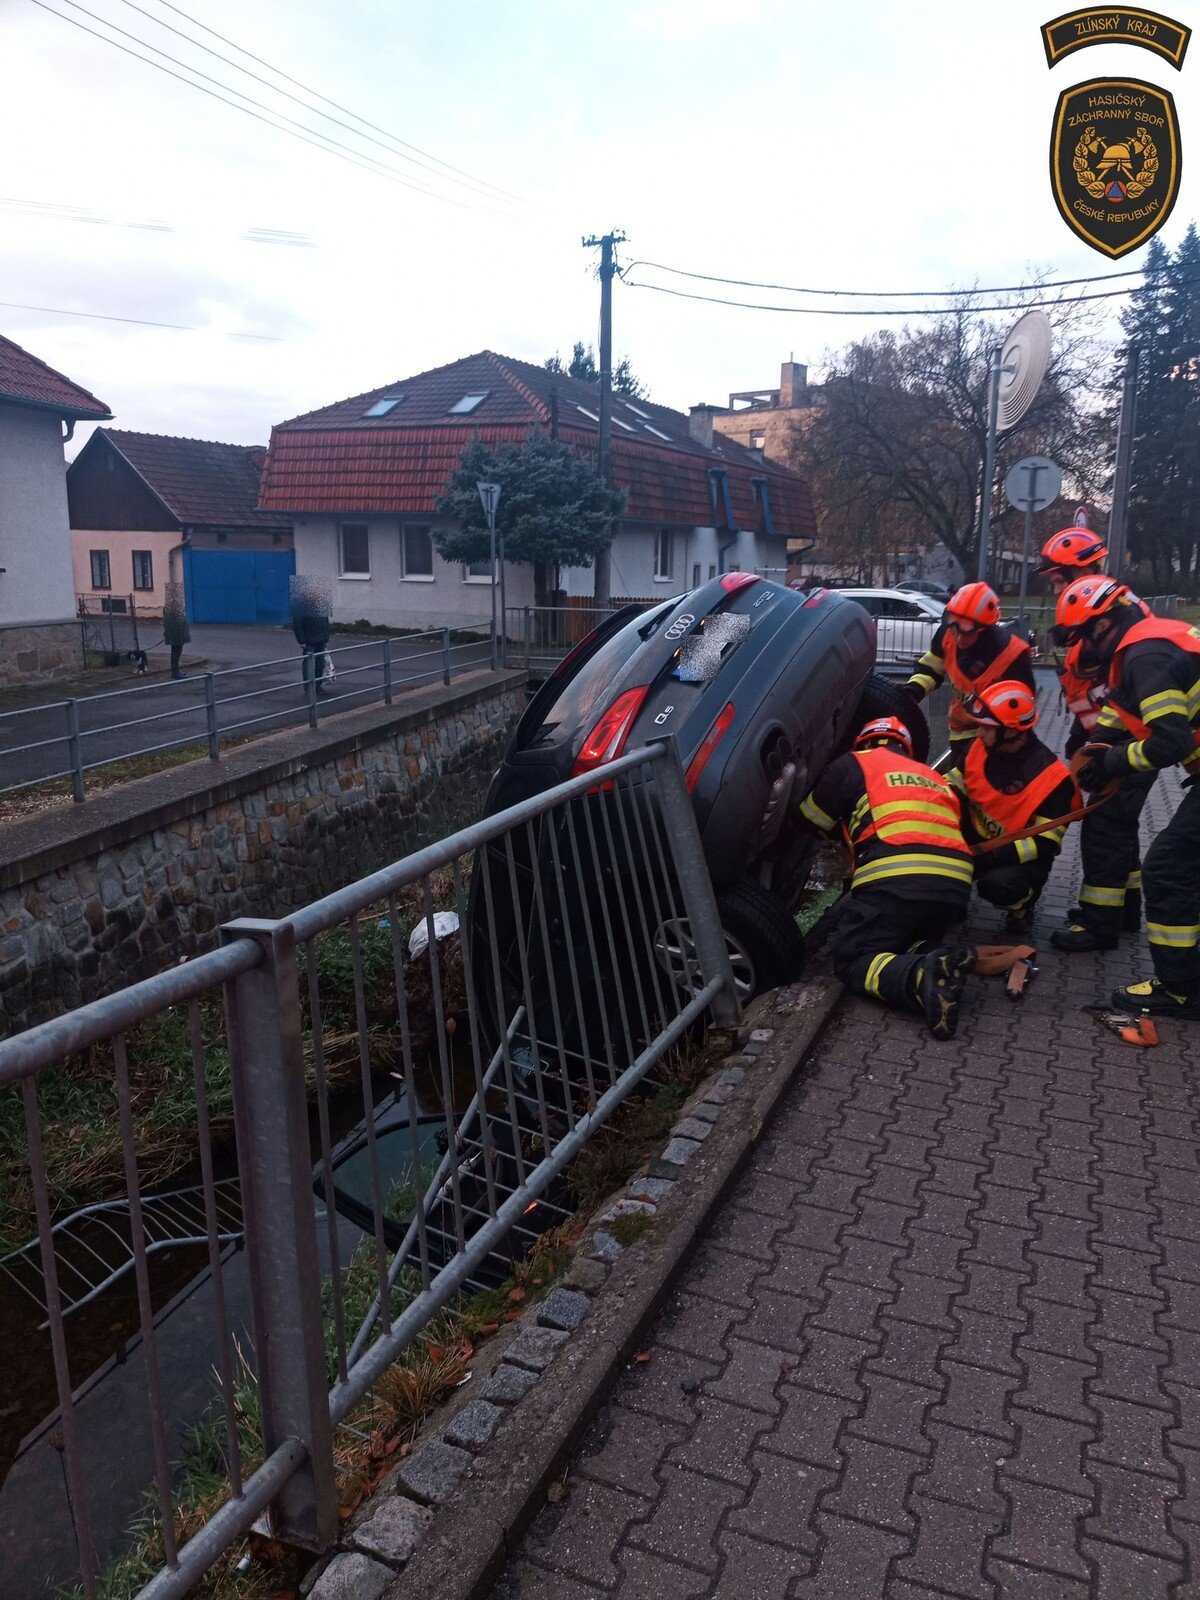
(989, 467)
(606, 245)
(1120, 498)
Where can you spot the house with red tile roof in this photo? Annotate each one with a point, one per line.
(360, 480)
(39, 409)
(148, 509)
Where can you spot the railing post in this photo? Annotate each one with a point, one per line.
(266, 1063)
(74, 750)
(446, 656)
(310, 684)
(387, 670)
(699, 901)
(210, 712)
(528, 637)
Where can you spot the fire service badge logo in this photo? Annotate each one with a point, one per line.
(1115, 161)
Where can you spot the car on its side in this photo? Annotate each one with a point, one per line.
(905, 622)
(760, 686)
(935, 591)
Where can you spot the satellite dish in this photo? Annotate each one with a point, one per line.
(1022, 367)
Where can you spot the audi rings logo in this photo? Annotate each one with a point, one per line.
(680, 626)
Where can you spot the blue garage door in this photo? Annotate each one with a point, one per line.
(238, 585)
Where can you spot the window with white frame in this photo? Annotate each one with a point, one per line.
(663, 554)
(143, 569)
(354, 550)
(477, 571)
(416, 552)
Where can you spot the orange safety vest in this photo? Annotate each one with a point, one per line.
(1174, 632)
(911, 810)
(1084, 695)
(996, 812)
(965, 687)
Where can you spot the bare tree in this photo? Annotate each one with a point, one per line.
(895, 453)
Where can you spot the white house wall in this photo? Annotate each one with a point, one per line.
(444, 601)
(36, 584)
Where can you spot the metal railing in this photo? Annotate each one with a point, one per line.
(198, 715)
(588, 945)
(538, 637)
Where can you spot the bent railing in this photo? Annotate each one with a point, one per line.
(483, 1060)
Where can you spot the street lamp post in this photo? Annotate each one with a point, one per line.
(489, 495)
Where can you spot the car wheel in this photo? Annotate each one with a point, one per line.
(881, 697)
(764, 944)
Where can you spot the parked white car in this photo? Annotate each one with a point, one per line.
(905, 622)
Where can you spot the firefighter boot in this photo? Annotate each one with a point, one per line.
(943, 977)
(1151, 996)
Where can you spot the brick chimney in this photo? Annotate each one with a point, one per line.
(793, 381)
(700, 423)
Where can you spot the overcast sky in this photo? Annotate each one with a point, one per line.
(867, 146)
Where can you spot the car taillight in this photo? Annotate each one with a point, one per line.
(607, 739)
(707, 745)
(733, 581)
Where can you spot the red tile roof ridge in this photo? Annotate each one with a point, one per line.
(504, 365)
(77, 399)
(383, 389)
(176, 438)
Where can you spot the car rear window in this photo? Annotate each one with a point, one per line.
(579, 691)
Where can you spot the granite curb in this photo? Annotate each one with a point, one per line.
(475, 1528)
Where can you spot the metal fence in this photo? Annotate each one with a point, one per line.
(588, 945)
(109, 625)
(78, 736)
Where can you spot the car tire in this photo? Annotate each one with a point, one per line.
(882, 697)
(766, 946)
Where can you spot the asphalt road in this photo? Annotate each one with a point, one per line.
(258, 687)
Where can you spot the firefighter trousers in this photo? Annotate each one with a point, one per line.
(1171, 885)
(1111, 855)
(1012, 888)
(881, 938)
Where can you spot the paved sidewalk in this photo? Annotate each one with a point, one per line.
(943, 1341)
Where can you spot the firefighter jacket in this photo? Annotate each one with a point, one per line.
(993, 654)
(1153, 698)
(1008, 790)
(1084, 690)
(900, 821)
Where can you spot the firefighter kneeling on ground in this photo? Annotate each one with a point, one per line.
(1150, 720)
(911, 875)
(1010, 781)
(1110, 901)
(973, 650)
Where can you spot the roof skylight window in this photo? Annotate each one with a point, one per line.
(637, 411)
(588, 413)
(382, 407)
(657, 434)
(467, 404)
(621, 424)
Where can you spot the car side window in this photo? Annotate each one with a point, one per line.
(871, 604)
(905, 608)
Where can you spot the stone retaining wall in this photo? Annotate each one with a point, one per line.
(39, 652)
(94, 897)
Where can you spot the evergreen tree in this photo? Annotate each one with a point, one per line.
(582, 365)
(553, 509)
(1144, 322)
(1181, 406)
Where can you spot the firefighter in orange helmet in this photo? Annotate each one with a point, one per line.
(1110, 901)
(1010, 781)
(1150, 720)
(972, 649)
(911, 878)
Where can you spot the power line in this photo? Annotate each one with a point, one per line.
(141, 322)
(886, 294)
(470, 183)
(273, 119)
(279, 72)
(877, 311)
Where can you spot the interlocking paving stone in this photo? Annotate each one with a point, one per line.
(943, 1343)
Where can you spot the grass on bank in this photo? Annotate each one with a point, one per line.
(380, 1431)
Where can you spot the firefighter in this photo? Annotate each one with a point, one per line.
(1111, 901)
(1150, 720)
(911, 875)
(1010, 781)
(971, 649)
